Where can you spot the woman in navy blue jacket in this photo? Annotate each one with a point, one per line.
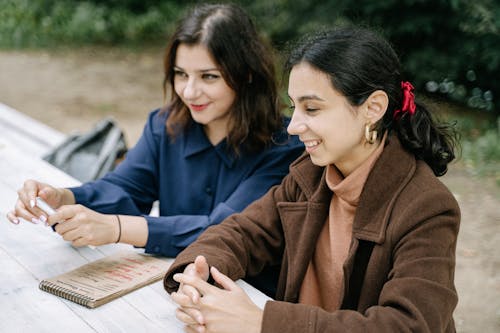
(218, 145)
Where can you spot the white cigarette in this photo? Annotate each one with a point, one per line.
(40, 203)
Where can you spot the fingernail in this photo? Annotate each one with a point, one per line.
(43, 219)
(32, 203)
(14, 220)
(176, 276)
(35, 221)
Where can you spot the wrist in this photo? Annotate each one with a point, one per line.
(259, 315)
(67, 197)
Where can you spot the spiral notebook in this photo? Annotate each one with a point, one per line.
(106, 279)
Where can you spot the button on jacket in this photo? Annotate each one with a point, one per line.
(197, 184)
(407, 215)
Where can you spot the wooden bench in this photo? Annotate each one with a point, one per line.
(26, 133)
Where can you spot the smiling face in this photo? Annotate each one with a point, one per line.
(200, 85)
(331, 129)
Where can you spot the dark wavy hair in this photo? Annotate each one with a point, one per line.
(359, 61)
(246, 64)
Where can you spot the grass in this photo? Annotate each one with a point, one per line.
(479, 140)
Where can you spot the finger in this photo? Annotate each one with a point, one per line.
(48, 194)
(195, 329)
(191, 292)
(202, 286)
(70, 235)
(79, 242)
(223, 280)
(65, 214)
(63, 227)
(184, 317)
(32, 215)
(181, 299)
(12, 218)
(62, 214)
(29, 192)
(195, 316)
(201, 266)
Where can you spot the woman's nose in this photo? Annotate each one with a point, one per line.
(296, 125)
(191, 90)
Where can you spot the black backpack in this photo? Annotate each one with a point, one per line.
(90, 155)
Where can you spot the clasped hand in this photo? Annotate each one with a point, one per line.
(205, 308)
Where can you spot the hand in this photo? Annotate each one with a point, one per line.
(187, 296)
(26, 205)
(224, 310)
(83, 226)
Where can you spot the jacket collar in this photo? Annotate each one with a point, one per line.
(391, 172)
(195, 141)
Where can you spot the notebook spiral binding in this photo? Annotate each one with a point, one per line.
(66, 293)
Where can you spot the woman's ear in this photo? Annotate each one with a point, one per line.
(376, 106)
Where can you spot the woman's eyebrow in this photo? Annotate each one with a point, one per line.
(308, 98)
(200, 70)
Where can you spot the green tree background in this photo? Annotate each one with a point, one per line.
(450, 49)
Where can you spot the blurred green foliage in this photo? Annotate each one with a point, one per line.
(49, 23)
(449, 48)
(479, 141)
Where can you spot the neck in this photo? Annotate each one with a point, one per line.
(365, 150)
(215, 137)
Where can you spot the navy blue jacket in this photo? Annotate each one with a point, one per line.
(197, 184)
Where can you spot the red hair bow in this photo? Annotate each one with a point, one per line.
(408, 99)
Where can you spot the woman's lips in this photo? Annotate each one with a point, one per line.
(311, 145)
(198, 107)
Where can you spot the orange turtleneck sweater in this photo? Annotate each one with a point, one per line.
(324, 280)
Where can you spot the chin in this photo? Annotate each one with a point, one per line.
(198, 119)
(318, 162)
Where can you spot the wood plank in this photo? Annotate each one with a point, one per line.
(17, 166)
(18, 290)
(46, 255)
(28, 134)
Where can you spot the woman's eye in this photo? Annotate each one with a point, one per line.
(210, 76)
(311, 109)
(291, 107)
(179, 73)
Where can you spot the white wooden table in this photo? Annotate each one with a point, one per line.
(30, 253)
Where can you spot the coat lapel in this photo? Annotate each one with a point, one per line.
(389, 176)
(302, 223)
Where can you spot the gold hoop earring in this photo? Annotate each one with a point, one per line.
(370, 136)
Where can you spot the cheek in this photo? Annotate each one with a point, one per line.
(224, 94)
(339, 132)
(178, 87)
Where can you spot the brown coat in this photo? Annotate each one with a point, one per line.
(404, 211)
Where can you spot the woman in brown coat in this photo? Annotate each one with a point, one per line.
(364, 231)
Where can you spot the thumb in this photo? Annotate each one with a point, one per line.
(201, 267)
(223, 280)
(53, 196)
(50, 195)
